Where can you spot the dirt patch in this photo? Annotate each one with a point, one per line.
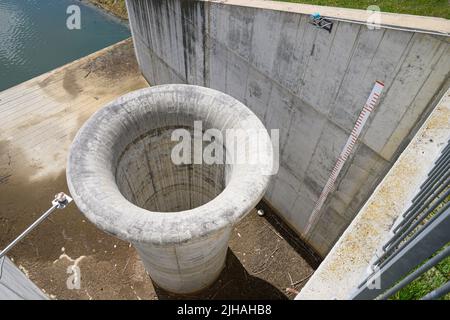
(94, 75)
(124, 63)
(108, 264)
(115, 7)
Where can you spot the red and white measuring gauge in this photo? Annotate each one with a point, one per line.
(346, 151)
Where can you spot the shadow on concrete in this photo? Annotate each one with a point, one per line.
(233, 283)
(299, 245)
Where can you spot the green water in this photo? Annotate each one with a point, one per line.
(34, 37)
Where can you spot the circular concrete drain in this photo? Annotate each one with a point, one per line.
(179, 217)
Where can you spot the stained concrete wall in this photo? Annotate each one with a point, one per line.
(347, 264)
(308, 83)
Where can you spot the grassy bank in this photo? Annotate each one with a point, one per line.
(435, 8)
(116, 7)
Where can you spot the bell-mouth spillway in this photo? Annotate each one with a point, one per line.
(122, 177)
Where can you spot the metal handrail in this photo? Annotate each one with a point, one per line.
(419, 236)
(60, 202)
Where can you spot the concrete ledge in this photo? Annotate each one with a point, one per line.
(413, 22)
(346, 264)
(14, 284)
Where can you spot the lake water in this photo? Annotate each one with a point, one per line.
(34, 37)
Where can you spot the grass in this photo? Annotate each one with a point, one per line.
(435, 8)
(433, 278)
(427, 282)
(116, 7)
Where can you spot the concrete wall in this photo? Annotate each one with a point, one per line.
(308, 83)
(347, 264)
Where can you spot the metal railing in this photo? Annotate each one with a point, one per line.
(60, 202)
(420, 239)
(14, 284)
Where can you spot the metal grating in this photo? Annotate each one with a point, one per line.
(420, 239)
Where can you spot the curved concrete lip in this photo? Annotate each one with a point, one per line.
(91, 162)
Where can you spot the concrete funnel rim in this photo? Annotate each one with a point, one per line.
(93, 187)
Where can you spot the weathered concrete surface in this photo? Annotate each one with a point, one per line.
(413, 22)
(347, 263)
(308, 83)
(14, 284)
(179, 217)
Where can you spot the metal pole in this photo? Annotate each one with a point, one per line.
(60, 202)
(439, 292)
(27, 231)
(433, 237)
(411, 277)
